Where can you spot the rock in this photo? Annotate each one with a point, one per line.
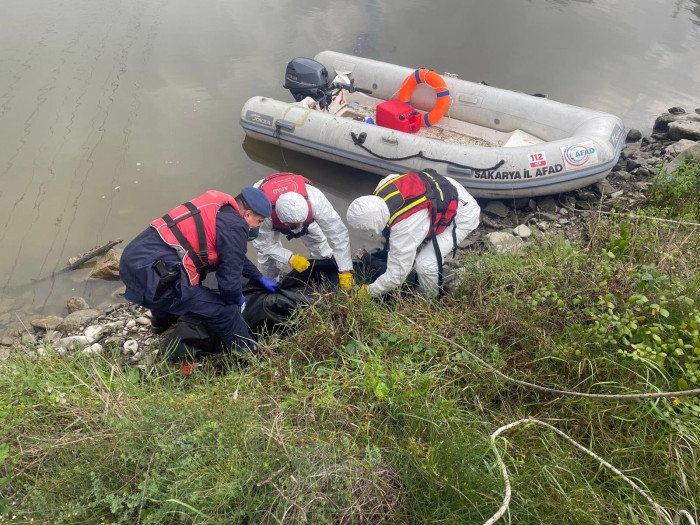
(684, 130)
(521, 203)
(616, 194)
(584, 205)
(568, 201)
(131, 346)
(6, 340)
(52, 336)
(4, 352)
(107, 266)
(73, 342)
(522, 231)
(466, 243)
(115, 340)
(496, 209)
(676, 110)
(586, 195)
(119, 292)
(604, 187)
(563, 211)
(490, 223)
(74, 321)
(95, 348)
(504, 242)
(94, 331)
(75, 304)
(679, 147)
(143, 321)
(633, 135)
(546, 216)
(643, 173)
(547, 205)
(632, 164)
(46, 323)
(542, 226)
(693, 152)
(662, 123)
(131, 323)
(622, 175)
(630, 150)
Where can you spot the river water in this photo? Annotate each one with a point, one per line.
(114, 111)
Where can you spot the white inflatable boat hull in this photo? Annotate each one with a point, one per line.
(540, 146)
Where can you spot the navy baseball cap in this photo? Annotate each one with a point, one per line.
(257, 200)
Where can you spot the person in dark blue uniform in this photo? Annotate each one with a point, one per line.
(164, 266)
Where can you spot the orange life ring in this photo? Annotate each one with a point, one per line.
(420, 76)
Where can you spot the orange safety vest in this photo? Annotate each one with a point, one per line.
(193, 224)
(278, 184)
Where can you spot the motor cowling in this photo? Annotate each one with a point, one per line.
(306, 77)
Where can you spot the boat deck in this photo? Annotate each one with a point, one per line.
(448, 130)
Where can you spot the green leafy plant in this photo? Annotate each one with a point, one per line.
(677, 195)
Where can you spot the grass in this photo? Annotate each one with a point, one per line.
(359, 416)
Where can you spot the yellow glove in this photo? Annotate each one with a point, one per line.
(299, 263)
(362, 292)
(346, 281)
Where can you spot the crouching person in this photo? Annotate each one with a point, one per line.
(423, 217)
(163, 267)
(299, 210)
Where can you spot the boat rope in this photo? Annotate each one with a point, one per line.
(660, 511)
(359, 140)
(635, 216)
(647, 395)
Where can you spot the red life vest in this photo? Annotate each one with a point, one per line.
(280, 183)
(191, 230)
(411, 192)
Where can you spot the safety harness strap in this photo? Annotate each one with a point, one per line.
(201, 259)
(291, 235)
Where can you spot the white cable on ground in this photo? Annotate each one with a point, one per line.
(649, 395)
(660, 511)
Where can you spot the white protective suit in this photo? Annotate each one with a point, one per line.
(327, 236)
(371, 214)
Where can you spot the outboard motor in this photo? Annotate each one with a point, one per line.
(308, 78)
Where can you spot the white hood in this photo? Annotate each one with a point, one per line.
(368, 213)
(291, 208)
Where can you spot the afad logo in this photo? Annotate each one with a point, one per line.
(578, 154)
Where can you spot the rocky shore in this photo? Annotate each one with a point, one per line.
(505, 226)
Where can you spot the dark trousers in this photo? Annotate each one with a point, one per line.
(205, 305)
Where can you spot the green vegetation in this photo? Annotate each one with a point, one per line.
(678, 195)
(358, 415)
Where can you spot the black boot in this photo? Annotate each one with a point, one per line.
(161, 324)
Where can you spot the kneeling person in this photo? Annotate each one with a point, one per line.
(164, 266)
(299, 210)
(423, 216)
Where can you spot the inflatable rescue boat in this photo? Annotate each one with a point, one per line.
(386, 118)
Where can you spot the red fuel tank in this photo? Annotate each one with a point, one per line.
(398, 115)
